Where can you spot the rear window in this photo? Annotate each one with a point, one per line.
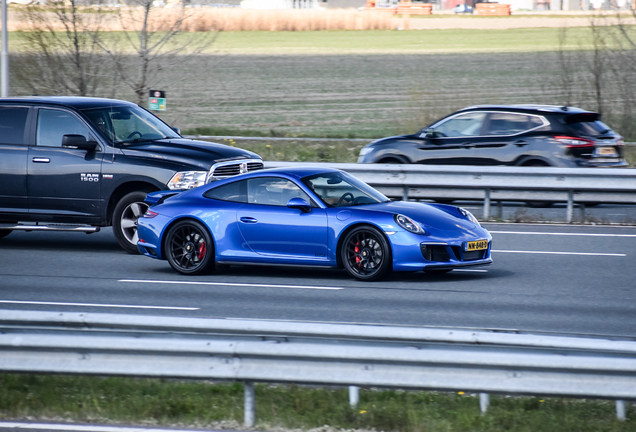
(587, 124)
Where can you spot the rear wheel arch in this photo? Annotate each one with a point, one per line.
(182, 219)
(394, 159)
(530, 161)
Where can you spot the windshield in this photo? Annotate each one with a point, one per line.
(339, 189)
(128, 124)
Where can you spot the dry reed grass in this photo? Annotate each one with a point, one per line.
(230, 19)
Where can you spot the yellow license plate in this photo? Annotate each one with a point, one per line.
(476, 245)
(606, 151)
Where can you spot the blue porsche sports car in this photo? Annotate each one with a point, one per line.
(309, 217)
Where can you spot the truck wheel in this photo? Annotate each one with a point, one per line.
(130, 208)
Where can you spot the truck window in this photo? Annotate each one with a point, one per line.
(12, 124)
(54, 124)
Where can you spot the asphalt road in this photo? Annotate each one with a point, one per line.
(560, 279)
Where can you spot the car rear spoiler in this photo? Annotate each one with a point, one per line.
(156, 198)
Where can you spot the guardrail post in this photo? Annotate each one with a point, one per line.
(486, 214)
(405, 193)
(620, 410)
(570, 209)
(354, 396)
(484, 402)
(582, 212)
(250, 404)
(500, 209)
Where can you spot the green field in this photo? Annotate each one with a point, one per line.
(366, 84)
(280, 407)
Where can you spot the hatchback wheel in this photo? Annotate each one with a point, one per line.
(366, 254)
(189, 248)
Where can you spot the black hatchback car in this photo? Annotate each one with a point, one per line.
(515, 135)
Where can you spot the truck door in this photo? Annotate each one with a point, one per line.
(13, 160)
(63, 181)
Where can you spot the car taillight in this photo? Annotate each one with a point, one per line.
(150, 214)
(574, 141)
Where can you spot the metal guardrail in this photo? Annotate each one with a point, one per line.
(449, 182)
(309, 353)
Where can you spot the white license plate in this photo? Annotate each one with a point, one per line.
(606, 151)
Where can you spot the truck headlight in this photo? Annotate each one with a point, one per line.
(187, 180)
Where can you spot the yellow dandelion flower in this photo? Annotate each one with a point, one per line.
(460, 393)
(268, 146)
(363, 412)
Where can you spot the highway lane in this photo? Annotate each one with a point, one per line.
(560, 279)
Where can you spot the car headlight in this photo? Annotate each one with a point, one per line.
(409, 224)
(468, 215)
(187, 180)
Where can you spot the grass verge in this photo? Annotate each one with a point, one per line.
(203, 404)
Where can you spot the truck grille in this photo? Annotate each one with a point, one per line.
(223, 170)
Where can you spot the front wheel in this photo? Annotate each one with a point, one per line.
(127, 211)
(189, 248)
(366, 254)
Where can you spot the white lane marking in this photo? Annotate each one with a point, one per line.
(95, 305)
(85, 428)
(468, 270)
(232, 284)
(561, 253)
(562, 234)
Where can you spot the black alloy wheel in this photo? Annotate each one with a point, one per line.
(366, 254)
(189, 248)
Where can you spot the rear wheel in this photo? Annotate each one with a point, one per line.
(366, 254)
(189, 248)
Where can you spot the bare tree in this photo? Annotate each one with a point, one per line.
(155, 40)
(62, 55)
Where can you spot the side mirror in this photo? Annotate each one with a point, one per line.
(177, 130)
(299, 203)
(429, 133)
(78, 142)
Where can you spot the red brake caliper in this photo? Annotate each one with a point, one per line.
(201, 252)
(357, 251)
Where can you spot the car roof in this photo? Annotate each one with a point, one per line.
(297, 172)
(528, 108)
(78, 102)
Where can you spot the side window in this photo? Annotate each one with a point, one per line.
(54, 124)
(463, 125)
(235, 192)
(12, 125)
(273, 191)
(510, 124)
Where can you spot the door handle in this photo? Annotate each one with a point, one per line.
(521, 143)
(41, 160)
(248, 219)
(468, 144)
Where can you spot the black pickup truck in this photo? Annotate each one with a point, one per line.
(78, 164)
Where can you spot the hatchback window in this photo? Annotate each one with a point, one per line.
(463, 125)
(592, 128)
(54, 124)
(511, 124)
(12, 124)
